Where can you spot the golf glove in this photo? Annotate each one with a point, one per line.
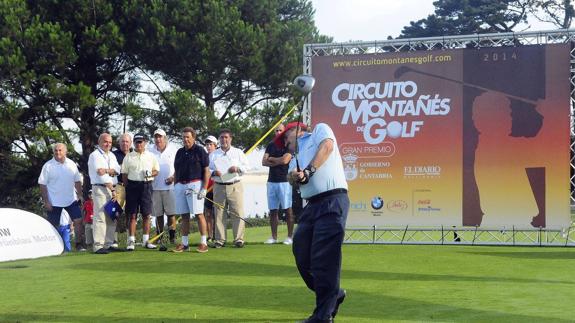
(202, 193)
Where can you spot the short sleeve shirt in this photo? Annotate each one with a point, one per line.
(136, 165)
(60, 179)
(277, 174)
(189, 164)
(330, 174)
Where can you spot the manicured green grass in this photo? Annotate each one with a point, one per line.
(260, 283)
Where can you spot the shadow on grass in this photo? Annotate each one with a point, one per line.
(232, 268)
(358, 305)
(568, 254)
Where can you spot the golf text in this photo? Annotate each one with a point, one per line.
(372, 105)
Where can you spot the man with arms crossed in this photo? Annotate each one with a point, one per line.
(138, 171)
(61, 188)
(191, 175)
(163, 186)
(278, 188)
(320, 232)
(103, 169)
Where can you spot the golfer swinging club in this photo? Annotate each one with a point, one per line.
(320, 232)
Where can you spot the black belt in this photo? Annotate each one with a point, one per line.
(104, 185)
(322, 195)
(138, 182)
(232, 183)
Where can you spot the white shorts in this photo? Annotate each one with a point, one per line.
(163, 202)
(279, 195)
(188, 203)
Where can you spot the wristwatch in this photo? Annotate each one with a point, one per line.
(309, 171)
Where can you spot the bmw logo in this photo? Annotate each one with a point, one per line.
(377, 203)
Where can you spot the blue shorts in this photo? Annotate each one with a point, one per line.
(279, 195)
(72, 209)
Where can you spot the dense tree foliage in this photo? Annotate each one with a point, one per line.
(70, 69)
(462, 17)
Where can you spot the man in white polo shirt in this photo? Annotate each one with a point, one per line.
(103, 169)
(61, 188)
(138, 171)
(163, 185)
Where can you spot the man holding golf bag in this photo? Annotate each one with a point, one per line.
(319, 236)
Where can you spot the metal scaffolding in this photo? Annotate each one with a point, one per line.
(450, 235)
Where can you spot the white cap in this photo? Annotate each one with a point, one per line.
(160, 132)
(211, 139)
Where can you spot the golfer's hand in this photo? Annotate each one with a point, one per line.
(202, 193)
(217, 173)
(296, 177)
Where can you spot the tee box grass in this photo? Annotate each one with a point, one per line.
(259, 283)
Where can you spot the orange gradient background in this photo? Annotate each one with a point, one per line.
(500, 160)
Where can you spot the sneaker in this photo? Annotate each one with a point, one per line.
(288, 241)
(202, 248)
(239, 243)
(181, 248)
(271, 241)
(149, 245)
(114, 244)
(218, 244)
(101, 251)
(131, 246)
(163, 248)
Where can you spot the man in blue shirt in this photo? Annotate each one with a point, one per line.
(319, 236)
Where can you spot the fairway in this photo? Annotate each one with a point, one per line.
(260, 283)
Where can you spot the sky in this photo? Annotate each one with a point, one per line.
(369, 20)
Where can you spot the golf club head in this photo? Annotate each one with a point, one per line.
(304, 83)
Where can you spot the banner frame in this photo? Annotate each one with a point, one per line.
(398, 235)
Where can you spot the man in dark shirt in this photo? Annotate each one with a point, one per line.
(278, 189)
(191, 176)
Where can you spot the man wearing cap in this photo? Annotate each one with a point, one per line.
(163, 185)
(61, 188)
(320, 232)
(211, 144)
(278, 189)
(228, 165)
(191, 175)
(124, 148)
(103, 169)
(138, 171)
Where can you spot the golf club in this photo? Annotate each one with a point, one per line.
(406, 69)
(304, 84)
(219, 206)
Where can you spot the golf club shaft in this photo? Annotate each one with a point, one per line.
(473, 86)
(221, 207)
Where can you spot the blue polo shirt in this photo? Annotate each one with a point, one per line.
(328, 176)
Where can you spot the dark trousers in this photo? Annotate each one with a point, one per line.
(317, 249)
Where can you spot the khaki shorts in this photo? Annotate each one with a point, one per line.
(163, 202)
(121, 196)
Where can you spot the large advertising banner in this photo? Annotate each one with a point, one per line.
(472, 137)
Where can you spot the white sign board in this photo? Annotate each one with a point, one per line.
(25, 235)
